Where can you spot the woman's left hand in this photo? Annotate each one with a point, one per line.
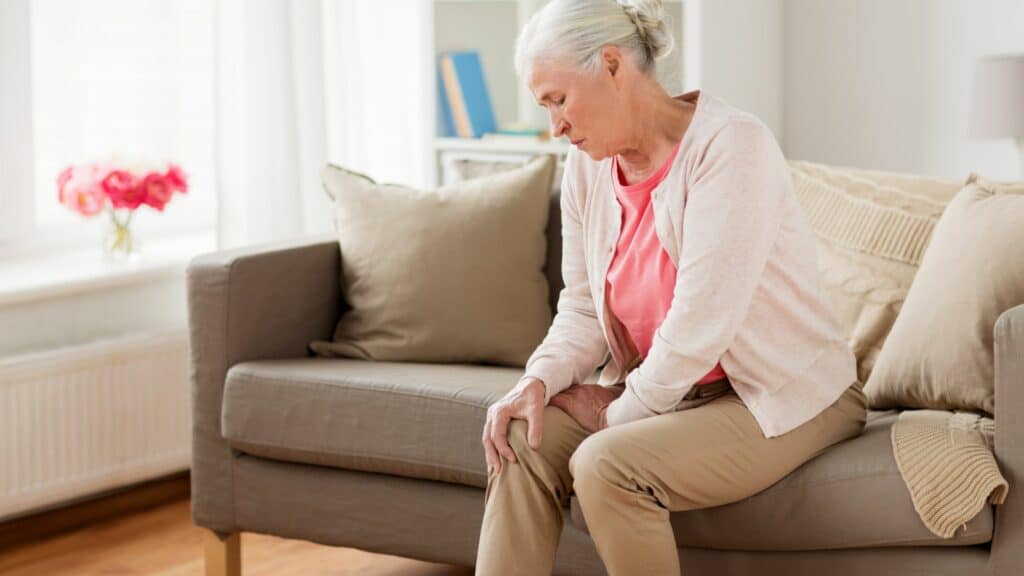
(586, 403)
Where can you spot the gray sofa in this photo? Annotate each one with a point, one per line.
(386, 457)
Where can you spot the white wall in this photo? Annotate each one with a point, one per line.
(886, 84)
(733, 49)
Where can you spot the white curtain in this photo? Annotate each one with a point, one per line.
(378, 71)
(303, 82)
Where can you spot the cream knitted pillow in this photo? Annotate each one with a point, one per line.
(451, 275)
(939, 352)
(872, 228)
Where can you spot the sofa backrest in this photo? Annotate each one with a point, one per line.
(553, 267)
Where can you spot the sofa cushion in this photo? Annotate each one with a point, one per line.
(403, 418)
(451, 274)
(871, 229)
(850, 496)
(470, 168)
(939, 354)
(425, 420)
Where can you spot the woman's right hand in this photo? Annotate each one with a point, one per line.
(525, 402)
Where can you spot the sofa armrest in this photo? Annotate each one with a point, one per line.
(1008, 540)
(251, 303)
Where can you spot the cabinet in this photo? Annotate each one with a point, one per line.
(491, 27)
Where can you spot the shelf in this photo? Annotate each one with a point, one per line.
(558, 146)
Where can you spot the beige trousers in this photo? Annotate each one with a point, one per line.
(627, 478)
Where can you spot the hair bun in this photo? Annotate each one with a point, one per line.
(649, 18)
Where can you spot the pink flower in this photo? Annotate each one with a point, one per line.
(177, 178)
(62, 179)
(123, 188)
(157, 190)
(78, 189)
(87, 188)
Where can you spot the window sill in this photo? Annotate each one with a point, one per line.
(28, 279)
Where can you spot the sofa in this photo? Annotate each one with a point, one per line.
(386, 456)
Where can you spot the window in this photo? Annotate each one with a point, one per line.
(112, 78)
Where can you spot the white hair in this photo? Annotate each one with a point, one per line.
(575, 31)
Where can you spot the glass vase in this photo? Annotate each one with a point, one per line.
(118, 241)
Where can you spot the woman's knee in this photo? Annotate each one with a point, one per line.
(559, 434)
(598, 464)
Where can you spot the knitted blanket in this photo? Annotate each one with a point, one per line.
(946, 460)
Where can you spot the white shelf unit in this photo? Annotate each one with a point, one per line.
(554, 146)
(448, 151)
(491, 28)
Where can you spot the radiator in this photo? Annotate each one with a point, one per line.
(83, 420)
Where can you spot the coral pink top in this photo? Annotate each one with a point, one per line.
(641, 278)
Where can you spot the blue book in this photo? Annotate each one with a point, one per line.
(469, 102)
(444, 109)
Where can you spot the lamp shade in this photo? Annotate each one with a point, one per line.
(997, 105)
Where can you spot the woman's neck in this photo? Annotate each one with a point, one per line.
(656, 133)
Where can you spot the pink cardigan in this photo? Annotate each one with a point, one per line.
(747, 293)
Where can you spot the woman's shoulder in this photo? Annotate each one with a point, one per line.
(724, 126)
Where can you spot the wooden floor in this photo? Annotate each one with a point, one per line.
(162, 541)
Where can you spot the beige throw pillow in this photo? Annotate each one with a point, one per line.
(871, 228)
(450, 275)
(939, 352)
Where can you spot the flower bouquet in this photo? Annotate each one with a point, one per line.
(118, 189)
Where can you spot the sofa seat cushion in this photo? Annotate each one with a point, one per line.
(425, 420)
(850, 496)
(408, 419)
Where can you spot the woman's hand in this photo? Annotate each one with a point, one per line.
(525, 402)
(586, 403)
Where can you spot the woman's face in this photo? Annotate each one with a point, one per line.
(580, 105)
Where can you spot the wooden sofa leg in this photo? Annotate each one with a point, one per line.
(223, 553)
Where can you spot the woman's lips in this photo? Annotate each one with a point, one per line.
(577, 142)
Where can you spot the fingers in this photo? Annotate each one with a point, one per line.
(499, 435)
(535, 426)
(493, 460)
(560, 401)
(496, 426)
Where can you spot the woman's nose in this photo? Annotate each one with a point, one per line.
(558, 127)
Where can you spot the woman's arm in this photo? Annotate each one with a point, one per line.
(731, 222)
(574, 345)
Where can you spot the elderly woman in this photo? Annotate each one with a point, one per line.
(686, 258)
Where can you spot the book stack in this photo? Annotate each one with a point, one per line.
(466, 103)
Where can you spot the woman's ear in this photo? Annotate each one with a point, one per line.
(611, 59)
